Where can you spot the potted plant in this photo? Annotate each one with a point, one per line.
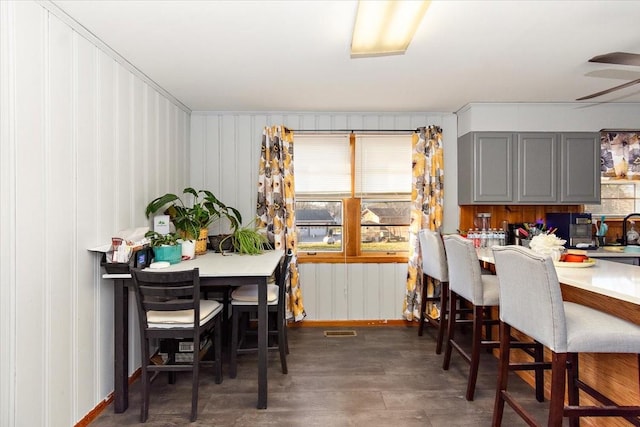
(166, 247)
(193, 217)
(245, 240)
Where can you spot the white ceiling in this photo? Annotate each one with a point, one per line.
(294, 55)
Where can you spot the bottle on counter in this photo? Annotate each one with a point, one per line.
(483, 238)
(632, 234)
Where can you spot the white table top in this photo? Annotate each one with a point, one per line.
(613, 279)
(213, 264)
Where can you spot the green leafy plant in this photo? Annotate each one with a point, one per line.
(156, 239)
(198, 210)
(246, 240)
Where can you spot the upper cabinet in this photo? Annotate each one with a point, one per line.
(580, 168)
(528, 168)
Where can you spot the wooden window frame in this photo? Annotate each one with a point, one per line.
(351, 232)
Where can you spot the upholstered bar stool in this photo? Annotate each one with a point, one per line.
(434, 266)
(468, 285)
(531, 302)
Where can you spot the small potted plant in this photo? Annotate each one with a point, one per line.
(166, 247)
(245, 240)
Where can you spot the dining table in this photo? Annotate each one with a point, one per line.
(217, 270)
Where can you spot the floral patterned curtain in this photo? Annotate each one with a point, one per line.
(276, 205)
(426, 212)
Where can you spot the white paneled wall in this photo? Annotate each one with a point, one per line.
(86, 142)
(225, 149)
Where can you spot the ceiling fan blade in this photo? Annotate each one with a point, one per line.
(604, 92)
(622, 58)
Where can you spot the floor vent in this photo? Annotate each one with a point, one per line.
(339, 334)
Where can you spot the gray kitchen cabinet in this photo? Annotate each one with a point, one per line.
(485, 168)
(528, 168)
(536, 172)
(580, 168)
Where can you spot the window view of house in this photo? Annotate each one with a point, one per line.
(353, 188)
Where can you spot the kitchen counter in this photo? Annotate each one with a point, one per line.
(607, 278)
(603, 253)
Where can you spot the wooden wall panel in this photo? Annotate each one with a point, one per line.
(85, 142)
(225, 149)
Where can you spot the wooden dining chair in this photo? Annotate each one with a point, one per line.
(531, 302)
(170, 308)
(244, 302)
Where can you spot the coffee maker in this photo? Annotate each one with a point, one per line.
(575, 228)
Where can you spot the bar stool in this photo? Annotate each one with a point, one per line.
(467, 283)
(531, 302)
(434, 266)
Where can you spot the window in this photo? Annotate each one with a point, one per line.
(353, 196)
(618, 197)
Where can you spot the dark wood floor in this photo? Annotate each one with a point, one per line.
(384, 376)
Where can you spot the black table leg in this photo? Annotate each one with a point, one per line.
(121, 346)
(262, 344)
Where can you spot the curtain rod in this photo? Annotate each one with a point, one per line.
(354, 130)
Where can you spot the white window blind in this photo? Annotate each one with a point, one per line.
(383, 165)
(322, 165)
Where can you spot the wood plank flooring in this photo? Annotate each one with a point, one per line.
(384, 376)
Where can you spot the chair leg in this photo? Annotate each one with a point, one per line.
(423, 305)
(144, 378)
(503, 374)
(558, 374)
(450, 330)
(282, 343)
(233, 357)
(572, 386)
(217, 342)
(476, 343)
(286, 335)
(538, 353)
(444, 313)
(194, 384)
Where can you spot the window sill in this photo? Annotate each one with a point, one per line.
(324, 258)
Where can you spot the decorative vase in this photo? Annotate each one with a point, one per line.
(171, 254)
(201, 243)
(188, 249)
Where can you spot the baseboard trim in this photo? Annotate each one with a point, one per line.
(351, 323)
(95, 412)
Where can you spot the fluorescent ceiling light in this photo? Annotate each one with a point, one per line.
(386, 27)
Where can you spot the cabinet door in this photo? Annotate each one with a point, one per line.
(579, 168)
(493, 167)
(536, 168)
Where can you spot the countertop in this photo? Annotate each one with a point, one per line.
(603, 253)
(612, 279)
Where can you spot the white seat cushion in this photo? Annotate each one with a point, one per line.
(248, 294)
(182, 318)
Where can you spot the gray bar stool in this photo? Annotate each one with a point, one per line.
(531, 302)
(434, 266)
(468, 285)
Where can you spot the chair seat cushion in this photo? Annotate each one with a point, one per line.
(183, 318)
(249, 294)
(592, 331)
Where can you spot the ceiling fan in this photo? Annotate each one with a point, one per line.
(620, 58)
